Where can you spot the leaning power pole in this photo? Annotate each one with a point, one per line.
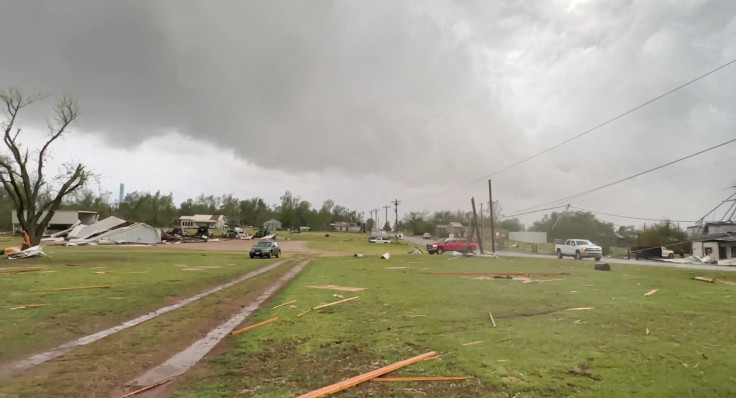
(493, 232)
(396, 214)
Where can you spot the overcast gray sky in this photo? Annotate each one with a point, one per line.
(364, 102)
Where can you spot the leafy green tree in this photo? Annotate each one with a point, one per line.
(664, 234)
(510, 224)
(387, 227)
(576, 224)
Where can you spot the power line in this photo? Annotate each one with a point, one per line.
(590, 130)
(631, 177)
(630, 217)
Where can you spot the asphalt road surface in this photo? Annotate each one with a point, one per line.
(706, 267)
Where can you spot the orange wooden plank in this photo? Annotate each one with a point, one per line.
(245, 329)
(335, 302)
(353, 381)
(428, 378)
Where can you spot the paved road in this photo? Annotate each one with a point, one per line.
(706, 267)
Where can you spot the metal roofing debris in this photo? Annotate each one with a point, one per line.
(88, 231)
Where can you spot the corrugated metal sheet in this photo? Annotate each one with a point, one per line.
(64, 217)
(136, 233)
(96, 228)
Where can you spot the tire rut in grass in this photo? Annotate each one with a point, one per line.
(94, 370)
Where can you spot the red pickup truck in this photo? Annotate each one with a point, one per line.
(452, 244)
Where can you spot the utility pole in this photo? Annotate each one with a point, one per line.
(386, 208)
(475, 226)
(396, 214)
(375, 220)
(493, 232)
(482, 226)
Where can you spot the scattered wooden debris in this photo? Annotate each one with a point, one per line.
(473, 343)
(334, 302)
(245, 329)
(327, 305)
(704, 279)
(398, 267)
(646, 331)
(19, 270)
(726, 282)
(580, 308)
(192, 269)
(283, 304)
(47, 272)
(651, 292)
(76, 288)
(345, 384)
(136, 392)
(580, 322)
(427, 378)
(22, 307)
(493, 321)
(340, 288)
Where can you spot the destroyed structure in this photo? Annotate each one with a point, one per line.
(111, 230)
(715, 241)
(61, 220)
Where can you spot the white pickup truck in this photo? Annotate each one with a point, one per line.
(578, 248)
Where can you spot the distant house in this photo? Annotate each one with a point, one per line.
(272, 225)
(61, 220)
(452, 229)
(217, 221)
(345, 226)
(715, 239)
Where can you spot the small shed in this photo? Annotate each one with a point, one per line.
(272, 225)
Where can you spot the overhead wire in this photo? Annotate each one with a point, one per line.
(590, 130)
(575, 196)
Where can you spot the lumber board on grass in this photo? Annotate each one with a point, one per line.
(334, 302)
(353, 381)
(427, 378)
(247, 328)
(146, 388)
(493, 321)
(286, 303)
(649, 293)
(75, 288)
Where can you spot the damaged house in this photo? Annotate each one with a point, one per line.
(61, 220)
(715, 239)
(211, 221)
(112, 230)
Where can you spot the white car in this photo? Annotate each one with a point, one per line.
(379, 239)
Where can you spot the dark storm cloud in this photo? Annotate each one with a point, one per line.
(425, 93)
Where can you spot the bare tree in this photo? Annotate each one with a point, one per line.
(35, 197)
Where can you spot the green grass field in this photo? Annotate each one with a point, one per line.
(139, 280)
(539, 349)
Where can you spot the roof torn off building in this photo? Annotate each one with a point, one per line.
(112, 230)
